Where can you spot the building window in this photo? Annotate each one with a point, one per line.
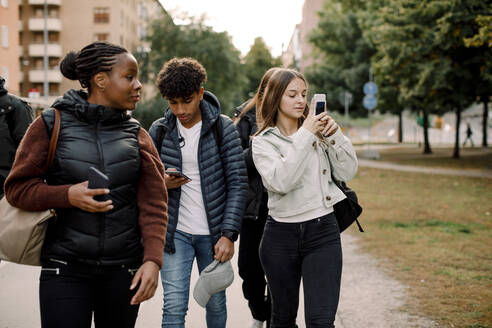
(141, 32)
(5, 36)
(101, 15)
(101, 37)
(5, 75)
(5, 3)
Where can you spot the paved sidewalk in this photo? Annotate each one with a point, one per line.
(421, 169)
(369, 298)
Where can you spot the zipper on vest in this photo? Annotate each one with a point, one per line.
(102, 216)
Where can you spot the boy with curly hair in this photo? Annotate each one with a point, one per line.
(206, 194)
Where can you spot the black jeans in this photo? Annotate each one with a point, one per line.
(311, 250)
(251, 271)
(69, 294)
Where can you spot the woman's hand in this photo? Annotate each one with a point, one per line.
(330, 128)
(314, 123)
(174, 181)
(147, 275)
(82, 197)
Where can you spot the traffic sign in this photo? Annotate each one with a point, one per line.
(370, 88)
(370, 102)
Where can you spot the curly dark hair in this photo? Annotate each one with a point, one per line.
(180, 78)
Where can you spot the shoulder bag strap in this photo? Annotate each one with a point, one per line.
(54, 139)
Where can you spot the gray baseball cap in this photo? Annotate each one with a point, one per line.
(214, 278)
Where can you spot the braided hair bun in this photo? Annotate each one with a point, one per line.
(68, 66)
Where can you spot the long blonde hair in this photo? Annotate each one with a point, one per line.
(267, 112)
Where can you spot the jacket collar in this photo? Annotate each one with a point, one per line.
(75, 102)
(209, 107)
(273, 130)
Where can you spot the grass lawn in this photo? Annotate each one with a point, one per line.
(471, 158)
(433, 233)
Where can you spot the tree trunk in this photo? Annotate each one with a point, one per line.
(456, 153)
(485, 101)
(400, 126)
(427, 148)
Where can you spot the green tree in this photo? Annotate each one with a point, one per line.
(343, 61)
(482, 39)
(213, 49)
(422, 44)
(150, 110)
(256, 62)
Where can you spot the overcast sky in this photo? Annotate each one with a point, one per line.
(274, 20)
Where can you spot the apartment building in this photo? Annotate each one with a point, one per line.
(72, 24)
(9, 44)
(299, 51)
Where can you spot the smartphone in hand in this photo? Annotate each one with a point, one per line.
(98, 180)
(319, 103)
(177, 174)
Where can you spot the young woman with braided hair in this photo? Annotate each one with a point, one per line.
(99, 258)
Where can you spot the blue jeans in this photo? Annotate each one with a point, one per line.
(311, 250)
(176, 274)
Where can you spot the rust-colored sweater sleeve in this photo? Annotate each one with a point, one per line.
(25, 187)
(152, 200)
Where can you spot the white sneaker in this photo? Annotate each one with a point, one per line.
(257, 324)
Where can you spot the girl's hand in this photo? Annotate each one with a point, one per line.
(82, 197)
(330, 127)
(147, 275)
(314, 123)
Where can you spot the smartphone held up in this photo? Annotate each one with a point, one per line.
(319, 103)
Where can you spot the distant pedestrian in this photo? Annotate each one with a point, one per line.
(99, 259)
(254, 283)
(15, 117)
(206, 204)
(297, 153)
(469, 133)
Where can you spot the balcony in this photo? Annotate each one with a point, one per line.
(37, 50)
(21, 51)
(37, 24)
(21, 76)
(21, 26)
(37, 76)
(48, 2)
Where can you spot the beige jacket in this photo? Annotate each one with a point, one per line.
(285, 163)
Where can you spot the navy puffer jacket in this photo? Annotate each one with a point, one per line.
(223, 174)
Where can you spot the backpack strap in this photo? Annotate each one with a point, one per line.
(217, 131)
(53, 139)
(7, 108)
(160, 138)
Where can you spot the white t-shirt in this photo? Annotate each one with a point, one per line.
(192, 215)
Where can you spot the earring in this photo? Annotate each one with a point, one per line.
(102, 89)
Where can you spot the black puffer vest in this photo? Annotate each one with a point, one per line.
(92, 135)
